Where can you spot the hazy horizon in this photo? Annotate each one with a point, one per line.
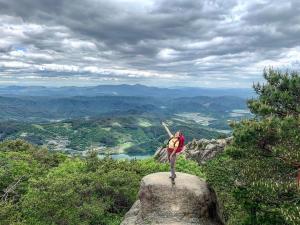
(121, 84)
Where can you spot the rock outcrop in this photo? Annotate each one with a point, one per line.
(189, 201)
(198, 150)
(203, 150)
(161, 155)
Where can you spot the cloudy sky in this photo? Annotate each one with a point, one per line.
(209, 43)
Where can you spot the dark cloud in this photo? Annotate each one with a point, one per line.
(185, 41)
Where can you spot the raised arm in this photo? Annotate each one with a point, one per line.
(167, 129)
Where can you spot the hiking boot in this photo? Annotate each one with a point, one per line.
(173, 181)
(172, 176)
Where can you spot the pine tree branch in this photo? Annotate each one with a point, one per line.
(11, 188)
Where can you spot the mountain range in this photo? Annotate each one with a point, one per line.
(123, 90)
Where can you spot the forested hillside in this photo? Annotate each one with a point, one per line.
(48, 108)
(42, 187)
(115, 124)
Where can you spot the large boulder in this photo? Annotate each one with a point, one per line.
(187, 201)
(198, 150)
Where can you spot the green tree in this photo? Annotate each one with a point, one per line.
(266, 150)
(19, 162)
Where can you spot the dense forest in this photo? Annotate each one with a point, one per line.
(255, 177)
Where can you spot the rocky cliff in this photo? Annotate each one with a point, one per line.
(198, 150)
(189, 201)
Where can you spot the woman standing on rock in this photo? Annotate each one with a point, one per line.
(175, 146)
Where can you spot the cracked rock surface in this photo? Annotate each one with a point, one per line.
(189, 200)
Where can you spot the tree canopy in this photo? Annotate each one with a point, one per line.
(259, 170)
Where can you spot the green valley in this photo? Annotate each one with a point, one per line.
(115, 124)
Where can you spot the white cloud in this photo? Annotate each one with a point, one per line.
(167, 54)
(78, 44)
(58, 67)
(30, 55)
(14, 64)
